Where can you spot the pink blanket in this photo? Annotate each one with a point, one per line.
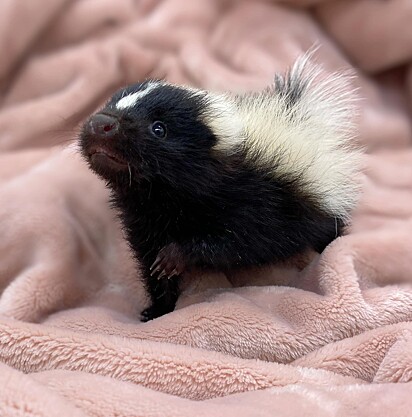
(332, 340)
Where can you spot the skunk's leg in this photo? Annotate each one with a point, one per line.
(162, 281)
(164, 293)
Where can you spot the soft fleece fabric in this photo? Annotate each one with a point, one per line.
(332, 340)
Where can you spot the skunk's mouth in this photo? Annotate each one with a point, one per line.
(100, 157)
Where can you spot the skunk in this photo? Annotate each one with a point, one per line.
(222, 182)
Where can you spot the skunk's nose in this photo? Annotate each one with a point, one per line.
(103, 125)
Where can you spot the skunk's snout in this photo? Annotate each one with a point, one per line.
(102, 126)
(99, 144)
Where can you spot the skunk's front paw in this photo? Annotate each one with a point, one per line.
(169, 262)
(150, 313)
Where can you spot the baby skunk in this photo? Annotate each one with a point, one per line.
(221, 182)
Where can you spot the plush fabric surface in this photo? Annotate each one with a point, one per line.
(332, 340)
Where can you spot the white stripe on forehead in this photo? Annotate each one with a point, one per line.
(131, 99)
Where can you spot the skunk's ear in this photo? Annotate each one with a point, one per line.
(221, 116)
(303, 126)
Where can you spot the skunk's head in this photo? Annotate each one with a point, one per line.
(157, 130)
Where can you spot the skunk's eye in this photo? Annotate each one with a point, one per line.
(159, 129)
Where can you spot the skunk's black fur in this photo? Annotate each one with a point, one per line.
(184, 204)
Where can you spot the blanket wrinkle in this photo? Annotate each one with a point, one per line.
(141, 362)
(333, 339)
(373, 47)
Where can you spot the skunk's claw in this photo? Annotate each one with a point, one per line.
(168, 263)
(156, 266)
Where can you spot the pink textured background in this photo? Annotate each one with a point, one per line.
(332, 340)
